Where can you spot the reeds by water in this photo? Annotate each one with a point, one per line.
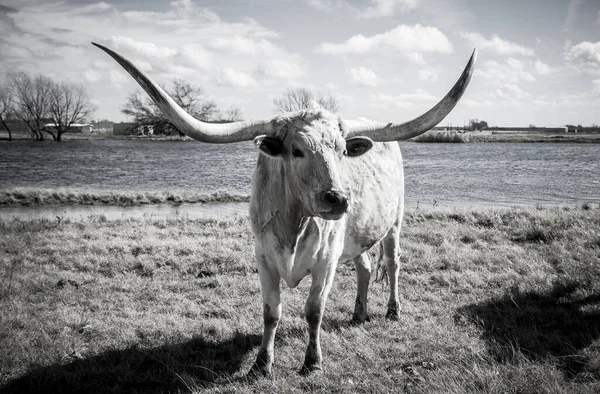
(441, 136)
(34, 196)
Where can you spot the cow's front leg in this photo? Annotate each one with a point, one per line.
(362, 264)
(269, 281)
(322, 279)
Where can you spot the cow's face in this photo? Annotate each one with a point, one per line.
(313, 149)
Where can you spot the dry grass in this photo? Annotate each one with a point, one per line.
(441, 136)
(529, 137)
(493, 302)
(36, 196)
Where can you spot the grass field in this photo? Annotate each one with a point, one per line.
(492, 302)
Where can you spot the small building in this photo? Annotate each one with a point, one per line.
(105, 128)
(75, 127)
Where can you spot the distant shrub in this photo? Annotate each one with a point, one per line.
(441, 136)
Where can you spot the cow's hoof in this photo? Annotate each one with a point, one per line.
(392, 314)
(257, 372)
(360, 319)
(307, 370)
(261, 367)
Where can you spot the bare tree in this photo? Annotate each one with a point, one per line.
(476, 124)
(69, 104)
(295, 99)
(31, 100)
(5, 107)
(233, 114)
(191, 98)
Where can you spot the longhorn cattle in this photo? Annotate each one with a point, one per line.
(324, 190)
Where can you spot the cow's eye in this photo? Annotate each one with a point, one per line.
(297, 152)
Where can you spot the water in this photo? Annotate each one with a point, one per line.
(127, 165)
(493, 174)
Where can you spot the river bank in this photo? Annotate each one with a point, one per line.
(471, 137)
(26, 197)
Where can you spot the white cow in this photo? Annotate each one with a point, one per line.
(324, 190)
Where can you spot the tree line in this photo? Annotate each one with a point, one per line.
(38, 100)
(144, 112)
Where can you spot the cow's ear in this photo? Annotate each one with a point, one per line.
(358, 145)
(270, 146)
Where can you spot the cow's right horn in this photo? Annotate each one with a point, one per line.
(382, 132)
(187, 124)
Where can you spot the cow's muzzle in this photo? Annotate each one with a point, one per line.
(334, 204)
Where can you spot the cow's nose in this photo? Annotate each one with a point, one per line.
(337, 200)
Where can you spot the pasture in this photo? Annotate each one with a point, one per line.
(502, 301)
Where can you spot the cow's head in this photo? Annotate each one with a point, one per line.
(311, 143)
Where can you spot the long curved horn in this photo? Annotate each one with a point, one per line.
(382, 132)
(187, 124)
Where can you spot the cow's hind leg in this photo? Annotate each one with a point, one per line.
(362, 265)
(391, 256)
(269, 281)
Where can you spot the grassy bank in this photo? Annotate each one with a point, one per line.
(533, 137)
(492, 302)
(442, 136)
(34, 196)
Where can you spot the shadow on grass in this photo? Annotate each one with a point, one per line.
(181, 367)
(558, 324)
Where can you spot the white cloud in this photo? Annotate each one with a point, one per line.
(542, 68)
(411, 41)
(510, 72)
(376, 9)
(380, 8)
(596, 85)
(429, 73)
(327, 5)
(231, 77)
(183, 41)
(497, 45)
(244, 46)
(128, 45)
(510, 92)
(472, 103)
(382, 100)
(288, 69)
(119, 77)
(197, 57)
(330, 85)
(364, 76)
(92, 75)
(585, 57)
(416, 57)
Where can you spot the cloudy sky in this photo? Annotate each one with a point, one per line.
(389, 60)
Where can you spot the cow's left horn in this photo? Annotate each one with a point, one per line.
(378, 131)
(187, 124)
